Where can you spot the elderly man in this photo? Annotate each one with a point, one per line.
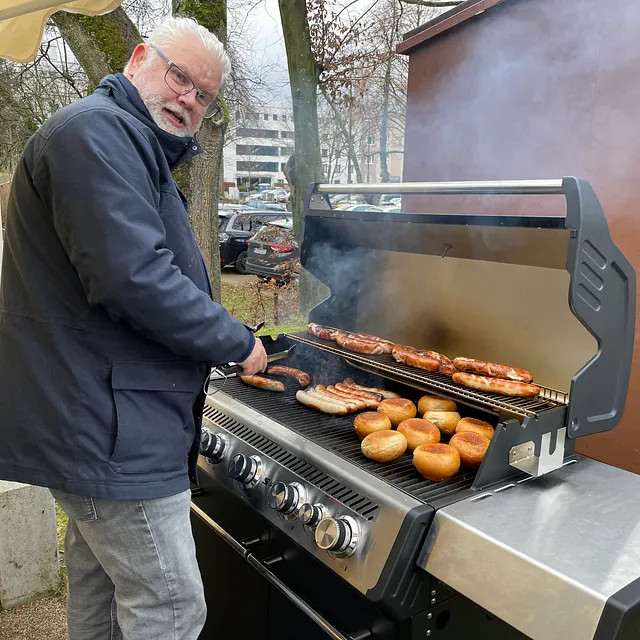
(108, 332)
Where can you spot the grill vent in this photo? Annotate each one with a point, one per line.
(338, 491)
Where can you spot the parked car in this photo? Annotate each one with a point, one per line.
(235, 229)
(273, 252)
(361, 207)
(272, 206)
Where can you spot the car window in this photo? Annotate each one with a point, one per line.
(275, 234)
(222, 223)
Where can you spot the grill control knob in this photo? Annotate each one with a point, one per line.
(338, 536)
(247, 470)
(311, 514)
(286, 498)
(213, 445)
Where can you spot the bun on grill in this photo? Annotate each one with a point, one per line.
(384, 446)
(370, 422)
(436, 462)
(398, 409)
(446, 421)
(418, 432)
(476, 426)
(471, 448)
(433, 403)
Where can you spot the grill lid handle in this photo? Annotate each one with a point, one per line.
(488, 187)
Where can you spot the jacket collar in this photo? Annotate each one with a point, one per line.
(177, 149)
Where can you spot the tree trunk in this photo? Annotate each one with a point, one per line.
(101, 44)
(306, 166)
(203, 202)
(384, 124)
(352, 157)
(201, 180)
(303, 77)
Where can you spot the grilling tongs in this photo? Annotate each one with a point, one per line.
(276, 348)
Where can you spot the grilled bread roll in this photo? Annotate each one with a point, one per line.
(471, 448)
(370, 422)
(418, 432)
(436, 462)
(433, 403)
(384, 446)
(476, 426)
(446, 421)
(398, 409)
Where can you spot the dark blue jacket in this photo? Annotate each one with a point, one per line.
(107, 327)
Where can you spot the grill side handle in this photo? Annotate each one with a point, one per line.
(602, 295)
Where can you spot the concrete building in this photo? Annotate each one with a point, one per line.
(260, 143)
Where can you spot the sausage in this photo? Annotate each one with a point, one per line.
(322, 403)
(448, 369)
(387, 345)
(496, 385)
(349, 382)
(263, 383)
(482, 368)
(319, 331)
(358, 403)
(303, 378)
(432, 354)
(358, 345)
(415, 358)
(372, 400)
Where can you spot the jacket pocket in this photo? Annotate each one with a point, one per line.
(154, 415)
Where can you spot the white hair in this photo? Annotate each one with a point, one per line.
(172, 29)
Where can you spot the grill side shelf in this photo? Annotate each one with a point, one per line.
(387, 367)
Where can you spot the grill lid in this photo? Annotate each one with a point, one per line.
(550, 294)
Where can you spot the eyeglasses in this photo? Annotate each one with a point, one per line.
(179, 82)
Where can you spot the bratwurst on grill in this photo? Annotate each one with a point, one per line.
(496, 385)
(482, 368)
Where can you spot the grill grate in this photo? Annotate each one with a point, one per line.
(314, 476)
(385, 365)
(336, 434)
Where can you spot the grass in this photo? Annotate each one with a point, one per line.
(252, 303)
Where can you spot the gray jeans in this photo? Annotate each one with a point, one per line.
(132, 569)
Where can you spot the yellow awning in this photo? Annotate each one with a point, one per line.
(23, 21)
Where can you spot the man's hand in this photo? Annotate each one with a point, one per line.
(257, 360)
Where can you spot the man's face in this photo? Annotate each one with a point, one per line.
(176, 114)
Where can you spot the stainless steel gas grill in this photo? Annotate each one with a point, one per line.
(328, 543)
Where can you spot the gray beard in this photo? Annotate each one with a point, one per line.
(155, 106)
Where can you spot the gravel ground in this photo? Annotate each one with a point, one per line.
(41, 620)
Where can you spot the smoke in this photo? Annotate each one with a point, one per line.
(529, 90)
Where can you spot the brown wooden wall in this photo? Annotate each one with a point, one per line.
(537, 89)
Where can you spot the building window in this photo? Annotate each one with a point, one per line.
(286, 134)
(265, 116)
(369, 139)
(275, 116)
(337, 182)
(255, 150)
(338, 168)
(325, 168)
(245, 165)
(324, 153)
(242, 132)
(287, 151)
(283, 117)
(369, 159)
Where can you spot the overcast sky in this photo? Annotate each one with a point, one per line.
(263, 23)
